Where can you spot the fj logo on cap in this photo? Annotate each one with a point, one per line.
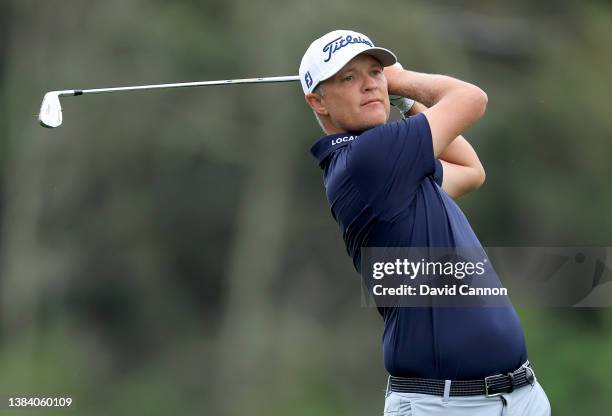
(340, 42)
(308, 79)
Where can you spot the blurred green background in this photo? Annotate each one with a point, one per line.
(172, 252)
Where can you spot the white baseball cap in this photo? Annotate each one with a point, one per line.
(328, 54)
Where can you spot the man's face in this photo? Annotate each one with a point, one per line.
(356, 97)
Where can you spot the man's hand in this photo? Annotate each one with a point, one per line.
(403, 104)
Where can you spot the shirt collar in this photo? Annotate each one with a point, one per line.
(329, 144)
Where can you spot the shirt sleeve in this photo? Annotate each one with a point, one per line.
(439, 173)
(389, 162)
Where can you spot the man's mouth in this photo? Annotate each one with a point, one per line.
(371, 102)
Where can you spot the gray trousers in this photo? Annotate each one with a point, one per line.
(529, 400)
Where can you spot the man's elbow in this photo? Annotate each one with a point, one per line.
(472, 183)
(479, 100)
(484, 100)
(479, 177)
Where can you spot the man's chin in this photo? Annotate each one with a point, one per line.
(374, 122)
(365, 123)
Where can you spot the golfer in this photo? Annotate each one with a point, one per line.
(392, 185)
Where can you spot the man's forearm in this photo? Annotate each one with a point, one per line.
(424, 88)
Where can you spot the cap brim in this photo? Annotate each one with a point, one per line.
(384, 56)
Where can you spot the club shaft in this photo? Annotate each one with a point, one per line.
(182, 85)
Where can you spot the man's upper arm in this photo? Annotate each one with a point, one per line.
(452, 115)
(459, 180)
(393, 159)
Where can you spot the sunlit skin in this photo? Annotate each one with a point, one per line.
(355, 99)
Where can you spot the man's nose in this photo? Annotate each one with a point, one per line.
(369, 83)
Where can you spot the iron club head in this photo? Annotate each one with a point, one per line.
(51, 110)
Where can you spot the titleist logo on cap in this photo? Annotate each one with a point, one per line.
(340, 42)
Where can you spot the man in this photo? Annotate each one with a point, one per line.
(391, 185)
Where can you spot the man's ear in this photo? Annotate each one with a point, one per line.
(315, 101)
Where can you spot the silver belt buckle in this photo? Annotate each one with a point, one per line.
(487, 394)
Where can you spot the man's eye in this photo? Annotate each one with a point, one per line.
(347, 78)
(377, 72)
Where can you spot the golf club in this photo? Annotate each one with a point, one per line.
(51, 109)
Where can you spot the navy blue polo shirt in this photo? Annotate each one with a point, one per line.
(383, 187)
